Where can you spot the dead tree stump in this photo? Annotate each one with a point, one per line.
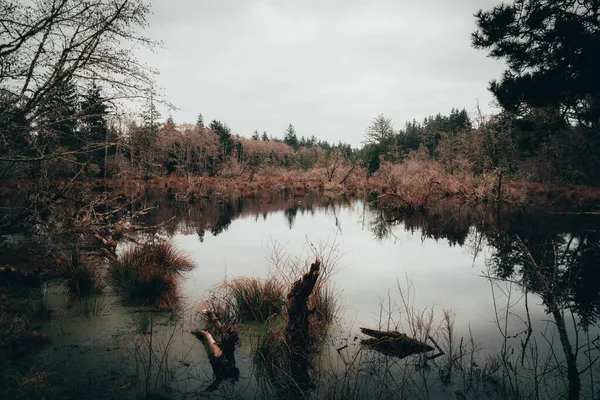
(297, 329)
(221, 352)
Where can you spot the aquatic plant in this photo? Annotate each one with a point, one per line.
(325, 306)
(270, 352)
(255, 299)
(85, 279)
(82, 276)
(148, 274)
(94, 306)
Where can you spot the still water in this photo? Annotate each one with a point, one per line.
(456, 259)
(369, 270)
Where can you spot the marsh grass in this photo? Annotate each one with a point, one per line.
(83, 276)
(149, 274)
(325, 302)
(153, 347)
(85, 280)
(95, 306)
(270, 352)
(255, 299)
(464, 368)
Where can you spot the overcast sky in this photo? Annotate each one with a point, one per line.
(328, 67)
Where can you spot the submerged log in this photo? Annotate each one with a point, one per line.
(221, 353)
(393, 343)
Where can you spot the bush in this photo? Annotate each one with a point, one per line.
(82, 275)
(148, 274)
(85, 280)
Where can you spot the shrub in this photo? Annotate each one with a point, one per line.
(148, 274)
(85, 280)
(82, 275)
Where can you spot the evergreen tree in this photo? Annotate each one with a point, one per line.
(170, 124)
(551, 48)
(225, 139)
(15, 130)
(200, 121)
(290, 138)
(265, 137)
(58, 118)
(94, 126)
(145, 139)
(255, 136)
(151, 115)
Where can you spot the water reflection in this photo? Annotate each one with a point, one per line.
(172, 217)
(566, 248)
(444, 251)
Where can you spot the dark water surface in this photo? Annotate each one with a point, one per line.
(463, 260)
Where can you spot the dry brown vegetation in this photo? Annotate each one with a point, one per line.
(414, 184)
(148, 274)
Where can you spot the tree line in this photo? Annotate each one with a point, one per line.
(64, 76)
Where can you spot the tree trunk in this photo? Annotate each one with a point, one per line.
(297, 332)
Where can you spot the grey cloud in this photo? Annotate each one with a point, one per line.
(328, 67)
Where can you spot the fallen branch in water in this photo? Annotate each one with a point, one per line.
(394, 343)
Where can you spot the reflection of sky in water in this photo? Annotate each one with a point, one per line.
(94, 355)
(443, 276)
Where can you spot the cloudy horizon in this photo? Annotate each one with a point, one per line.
(326, 67)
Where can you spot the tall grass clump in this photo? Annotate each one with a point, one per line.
(82, 275)
(148, 274)
(255, 299)
(326, 304)
(271, 353)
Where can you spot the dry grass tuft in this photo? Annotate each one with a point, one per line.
(148, 274)
(254, 299)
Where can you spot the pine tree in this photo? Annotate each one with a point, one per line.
(265, 137)
(94, 126)
(255, 136)
(58, 118)
(200, 121)
(224, 133)
(170, 124)
(290, 138)
(151, 115)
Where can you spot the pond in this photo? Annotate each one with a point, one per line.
(458, 270)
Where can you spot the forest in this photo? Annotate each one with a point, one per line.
(95, 183)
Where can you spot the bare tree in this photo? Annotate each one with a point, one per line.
(381, 130)
(45, 43)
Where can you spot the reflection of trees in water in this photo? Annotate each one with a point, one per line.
(451, 224)
(566, 249)
(567, 257)
(308, 207)
(176, 217)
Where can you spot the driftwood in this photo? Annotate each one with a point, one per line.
(297, 329)
(394, 343)
(221, 352)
